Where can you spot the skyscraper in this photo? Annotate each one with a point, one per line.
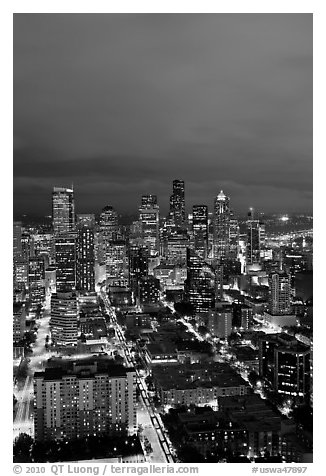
(200, 229)
(65, 262)
(116, 263)
(200, 283)
(177, 203)
(279, 293)
(85, 262)
(149, 216)
(234, 237)
(221, 225)
(17, 239)
(176, 247)
(255, 235)
(63, 322)
(36, 284)
(109, 224)
(86, 219)
(63, 210)
(138, 267)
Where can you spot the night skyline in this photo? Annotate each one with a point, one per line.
(120, 105)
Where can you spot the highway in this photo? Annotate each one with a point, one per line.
(153, 428)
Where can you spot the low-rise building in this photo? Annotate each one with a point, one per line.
(263, 425)
(197, 384)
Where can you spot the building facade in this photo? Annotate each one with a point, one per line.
(64, 317)
(86, 399)
(63, 210)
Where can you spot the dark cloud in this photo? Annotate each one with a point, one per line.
(121, 105)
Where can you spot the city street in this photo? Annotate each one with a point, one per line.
(153, 428)
(23, 391)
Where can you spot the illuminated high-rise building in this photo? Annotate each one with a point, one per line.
(19, 321)
(63, 210)
(138, 267)
(279, 293)
(85, 261)
(21, 274)
(36, 285)
(17, 240)
(84, 398)
(200, 229)
(234, 237)
(26, 246)
(200, 283)
(177, 203)
(63, 322)
(177, 243)
(255, 238)
(65, 262)
(109, 224)
(149, 216)
(117, 263)
(86, 219)
(221, 226)
(42, 244)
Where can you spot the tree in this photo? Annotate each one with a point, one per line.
(253, 378)
(22, 448)
(202, 330)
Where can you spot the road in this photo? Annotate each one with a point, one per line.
(24, 392)
(147, 417)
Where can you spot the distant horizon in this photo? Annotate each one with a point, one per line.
(221, 101)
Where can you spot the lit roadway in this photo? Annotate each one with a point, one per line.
(24, 391)
(153, 428)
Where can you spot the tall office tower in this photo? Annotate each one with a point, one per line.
(63, 321)
(200, 229)
(200, 283)
(63, 210)
(65, 262)
(221, 226)
(21, 274)
(36, 275)
(176, 247)
(26, 240)
(255, 238)
(138, 267)
(42, 244)
(116, 263)
(177, 203)
(149, 216)
(19, 321)
(85, 261)
(17, 240)
(109, 224)
(84, 398)
(234, 237)
(86, 219)
(279, 293)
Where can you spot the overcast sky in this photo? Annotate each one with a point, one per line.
(120, 105)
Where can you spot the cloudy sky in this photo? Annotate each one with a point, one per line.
(120, 105)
